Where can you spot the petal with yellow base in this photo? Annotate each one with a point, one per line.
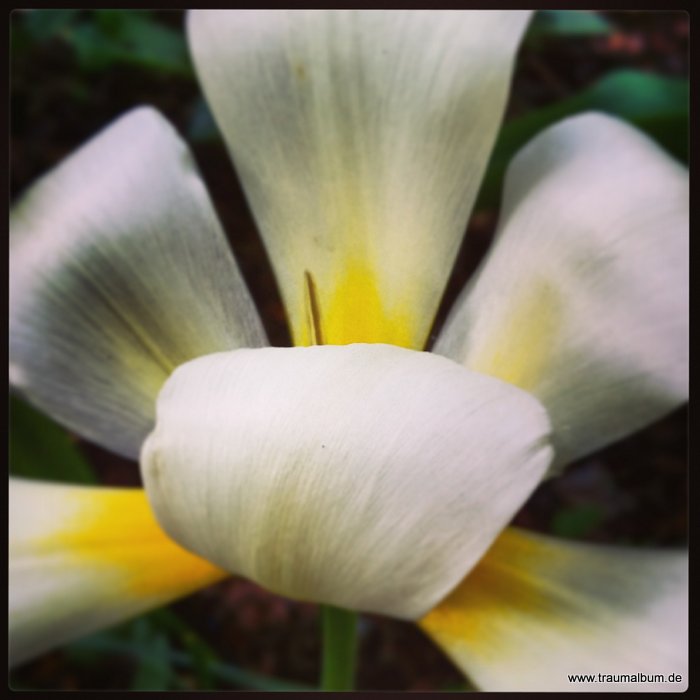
(536, 612)
(583, 299)
(360, 138)
(84, 558)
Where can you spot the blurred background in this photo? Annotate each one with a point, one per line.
(73, 71)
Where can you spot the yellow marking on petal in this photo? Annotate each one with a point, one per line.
(483, 614)
(520, 349)
(115, 531)
(353, 311)
(536, 609)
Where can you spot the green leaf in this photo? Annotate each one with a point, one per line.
(90, 650)
(131, 38)
(567, 23)
(577, 521)
(40, 449)
(152, 649)
(202, 127)
(655, 104)
(202, 655)
(102, 39)
(44, 25)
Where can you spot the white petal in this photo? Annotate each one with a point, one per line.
(360, 138)
(119, 272)
(536, 609)
(364, 476)
(584, 299)
(84, 558)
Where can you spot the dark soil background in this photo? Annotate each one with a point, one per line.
(632, 492)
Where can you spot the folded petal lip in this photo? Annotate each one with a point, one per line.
(365, 476)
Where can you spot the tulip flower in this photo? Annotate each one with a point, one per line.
(355, 470)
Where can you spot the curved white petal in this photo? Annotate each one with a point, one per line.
(119, 272)
(83, 558)
(584, 299)
(360, 138)
(536, 610)
(364, 476)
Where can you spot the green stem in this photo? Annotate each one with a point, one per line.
(339, 649)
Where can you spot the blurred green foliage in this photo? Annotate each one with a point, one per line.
(655, 104)
(40, 449)
(151, 646)
(101, 39)
(165, 653)
(566, 23)
(576, 522)
(202, 126)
